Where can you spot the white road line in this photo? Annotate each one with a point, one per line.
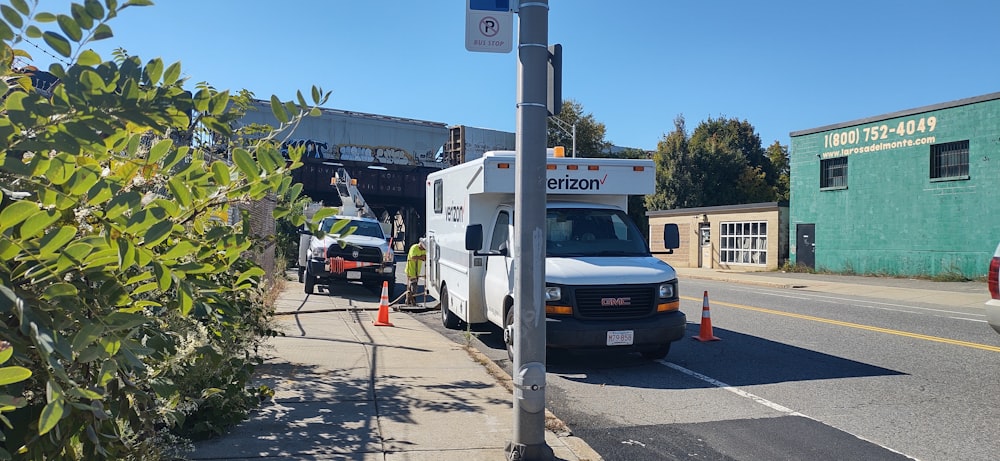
(737, 391)
(970, 320)
(761, 400)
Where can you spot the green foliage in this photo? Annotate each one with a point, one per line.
(674, 181)
(721, 163)
(287, 233)
(124, 290)
(778, 154)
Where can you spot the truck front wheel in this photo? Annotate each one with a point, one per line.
(310, 282)
(448, 318)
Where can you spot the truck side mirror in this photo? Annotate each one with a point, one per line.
(474, 237)
(671, 238)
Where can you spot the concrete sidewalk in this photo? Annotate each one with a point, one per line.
(349, 390)
(965, 295)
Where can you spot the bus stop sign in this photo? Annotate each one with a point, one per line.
(489, 26)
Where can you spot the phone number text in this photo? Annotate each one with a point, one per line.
(879, 132)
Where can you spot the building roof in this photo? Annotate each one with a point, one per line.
(902, 113)
(741, 208)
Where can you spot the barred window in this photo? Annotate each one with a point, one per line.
(833, 173)
(743, 243)
(950, 160)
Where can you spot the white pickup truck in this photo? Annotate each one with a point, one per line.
(363, 255)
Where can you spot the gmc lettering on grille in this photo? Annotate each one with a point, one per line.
(616, 301)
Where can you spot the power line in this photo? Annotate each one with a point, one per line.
(43, 50)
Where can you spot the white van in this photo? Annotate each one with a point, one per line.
(604, 288)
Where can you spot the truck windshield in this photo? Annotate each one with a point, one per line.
(592, 232)
(364, 228)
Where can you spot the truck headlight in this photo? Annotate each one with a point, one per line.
(553, 294)
(388, 256)
(666, 290)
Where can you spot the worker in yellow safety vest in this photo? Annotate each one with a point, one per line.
(414, 265)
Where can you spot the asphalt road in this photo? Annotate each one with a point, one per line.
(796, 376)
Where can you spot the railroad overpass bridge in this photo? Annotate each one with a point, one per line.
(389, 157)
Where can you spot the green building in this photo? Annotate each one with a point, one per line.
(915, 192)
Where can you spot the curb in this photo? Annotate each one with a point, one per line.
(553, 424)
(745, 281)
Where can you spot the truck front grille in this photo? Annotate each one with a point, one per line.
(365, 254)
(615, 302)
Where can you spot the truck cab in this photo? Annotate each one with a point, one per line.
(603, 287)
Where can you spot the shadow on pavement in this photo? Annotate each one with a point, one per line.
(739, 360)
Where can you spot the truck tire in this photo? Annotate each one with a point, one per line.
(509, 340)
(448, 318)
(302, 272)
(376, 287)
(658, 353)
(310, 282)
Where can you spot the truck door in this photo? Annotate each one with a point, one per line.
(499, 270)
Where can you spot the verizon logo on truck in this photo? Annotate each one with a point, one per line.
(568, 183)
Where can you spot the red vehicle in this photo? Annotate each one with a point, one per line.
(993, 305)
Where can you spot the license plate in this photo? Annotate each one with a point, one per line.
(353, 275)
(620, 337)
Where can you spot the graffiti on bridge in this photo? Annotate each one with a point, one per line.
(374, 154)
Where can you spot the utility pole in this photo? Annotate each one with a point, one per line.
(529, 242)
(562, 126)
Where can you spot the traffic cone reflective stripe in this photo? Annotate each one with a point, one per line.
(705, 333)
(383, 307)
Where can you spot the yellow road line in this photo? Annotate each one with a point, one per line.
(859, 326)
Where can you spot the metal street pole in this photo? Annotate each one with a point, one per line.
(529, 239)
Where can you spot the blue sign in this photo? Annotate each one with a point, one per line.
(489, 5)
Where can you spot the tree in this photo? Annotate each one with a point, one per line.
(130, 303)
(589, 132)
(778, 154)
(674, 184)
(721, 163)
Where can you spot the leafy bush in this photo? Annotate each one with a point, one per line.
(126, 293)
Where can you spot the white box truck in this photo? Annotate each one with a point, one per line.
(603, 286)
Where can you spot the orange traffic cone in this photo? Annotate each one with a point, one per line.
(383, 307)
(706, 323)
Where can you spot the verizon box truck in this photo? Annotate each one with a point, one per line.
(603, 286)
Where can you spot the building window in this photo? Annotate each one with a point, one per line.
(833, 173)
(950, 160)
(743, 243)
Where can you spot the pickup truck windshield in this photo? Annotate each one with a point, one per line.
(365, 228)
(574, 232)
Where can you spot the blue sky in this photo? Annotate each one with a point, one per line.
(634, 65)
